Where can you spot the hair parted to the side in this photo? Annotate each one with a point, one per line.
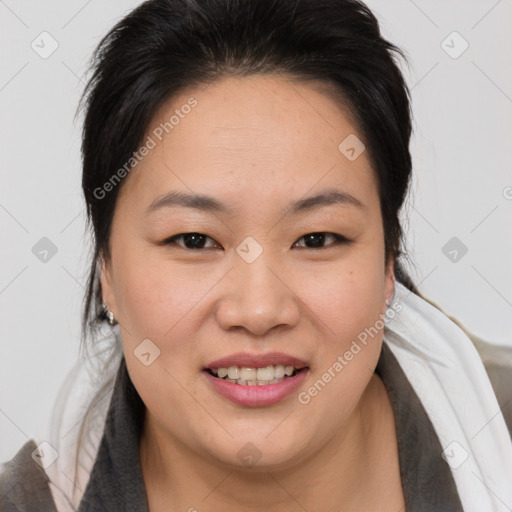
(164, 46)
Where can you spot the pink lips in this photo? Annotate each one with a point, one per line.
(257, 395)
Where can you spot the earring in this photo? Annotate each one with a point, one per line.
(108, 314)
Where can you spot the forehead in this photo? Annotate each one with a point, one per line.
(268, 137)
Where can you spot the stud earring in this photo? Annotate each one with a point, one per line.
(108, 314)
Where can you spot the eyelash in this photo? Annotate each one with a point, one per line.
(338, 240)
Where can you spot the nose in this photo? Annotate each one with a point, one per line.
(258, 298)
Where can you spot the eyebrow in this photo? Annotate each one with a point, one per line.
(209, 204)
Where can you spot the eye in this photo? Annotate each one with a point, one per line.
(195, 241)
(317, 239)
(190, 240)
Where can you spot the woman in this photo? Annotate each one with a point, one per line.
(244, 166)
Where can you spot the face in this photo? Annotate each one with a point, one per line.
(267, 279)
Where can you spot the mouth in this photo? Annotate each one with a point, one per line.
(256, 380)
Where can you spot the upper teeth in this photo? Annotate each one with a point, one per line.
(267, 373)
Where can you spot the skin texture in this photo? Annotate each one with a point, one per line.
(256, 144)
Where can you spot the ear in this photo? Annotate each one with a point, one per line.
(390, 281)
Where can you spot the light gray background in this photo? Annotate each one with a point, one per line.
(462, 179)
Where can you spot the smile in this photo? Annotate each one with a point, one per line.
(271, 374)
(271, 385)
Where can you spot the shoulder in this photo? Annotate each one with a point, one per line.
(24, 483)
(497, 361)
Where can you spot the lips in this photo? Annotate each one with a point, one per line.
(255, 393)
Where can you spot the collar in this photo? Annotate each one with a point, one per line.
(116, 482)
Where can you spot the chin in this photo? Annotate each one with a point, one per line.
(254, 454)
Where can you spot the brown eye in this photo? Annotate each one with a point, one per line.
(192, 241)
(317, 240)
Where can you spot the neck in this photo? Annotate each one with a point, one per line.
(357, 466)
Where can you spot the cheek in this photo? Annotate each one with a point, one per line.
(348, 306)
(158, 298)
(347, 298)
